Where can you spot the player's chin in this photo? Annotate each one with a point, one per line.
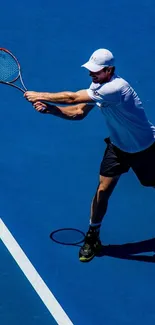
(95, 80)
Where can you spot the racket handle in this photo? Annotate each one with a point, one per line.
(43, 109)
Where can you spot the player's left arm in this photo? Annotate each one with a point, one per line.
(65, 97)
(71, 112)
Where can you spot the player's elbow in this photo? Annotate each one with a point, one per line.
(70, 97)
(75, 98)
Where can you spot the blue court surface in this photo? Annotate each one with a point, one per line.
(49, 170)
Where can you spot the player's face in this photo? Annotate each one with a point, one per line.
(101, 76)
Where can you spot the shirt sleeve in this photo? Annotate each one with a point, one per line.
(104, 94)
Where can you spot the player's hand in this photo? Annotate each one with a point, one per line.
(32, 96)
(40, 107)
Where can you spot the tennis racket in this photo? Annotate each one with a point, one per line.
(10, 71)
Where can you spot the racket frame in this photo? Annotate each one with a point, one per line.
(11, 83)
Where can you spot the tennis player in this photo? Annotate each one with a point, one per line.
(131, 141)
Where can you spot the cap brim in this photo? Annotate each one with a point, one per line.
(92, 67)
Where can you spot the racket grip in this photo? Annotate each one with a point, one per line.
(43, 109)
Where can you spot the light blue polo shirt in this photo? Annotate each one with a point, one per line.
(129, 128)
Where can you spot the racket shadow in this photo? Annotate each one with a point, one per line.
(68, 237)
(128, 251)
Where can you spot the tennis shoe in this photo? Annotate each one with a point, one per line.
(91, 247)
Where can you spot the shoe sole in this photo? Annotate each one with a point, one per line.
(84, 259)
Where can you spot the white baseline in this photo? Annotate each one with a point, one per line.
(33, 277)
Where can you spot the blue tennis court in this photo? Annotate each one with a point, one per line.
(49, 170)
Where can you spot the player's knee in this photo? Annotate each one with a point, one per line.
(103, 191)
(102, 187)
(107, 184)
(102, 194)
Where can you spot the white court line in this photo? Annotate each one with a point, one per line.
(32, 275)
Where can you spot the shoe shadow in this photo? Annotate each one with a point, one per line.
(128, 251)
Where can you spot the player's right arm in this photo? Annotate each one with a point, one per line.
(72, 112)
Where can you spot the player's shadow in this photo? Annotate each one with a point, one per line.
(129, 251)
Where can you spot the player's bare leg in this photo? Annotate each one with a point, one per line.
(99, 206)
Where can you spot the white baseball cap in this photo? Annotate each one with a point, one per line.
(100, 59)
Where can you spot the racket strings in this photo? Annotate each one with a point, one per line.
(9, 69)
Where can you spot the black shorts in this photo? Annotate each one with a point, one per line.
(116, 162)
